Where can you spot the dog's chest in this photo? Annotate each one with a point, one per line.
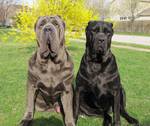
(101, 79)
(100, 74)
(99, 83)
(49, 74)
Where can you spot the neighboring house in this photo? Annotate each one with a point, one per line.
(141, 12)
(11, 13)
(140, 25)
(144, 15)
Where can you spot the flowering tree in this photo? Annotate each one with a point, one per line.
(74, 13)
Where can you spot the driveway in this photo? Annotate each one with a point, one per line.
(141, 40)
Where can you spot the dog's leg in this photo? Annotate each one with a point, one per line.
(77, 105)
(67, 104)
(116, 109)
(107, 120)
(123, 111)
(130, 119)
(29, 114)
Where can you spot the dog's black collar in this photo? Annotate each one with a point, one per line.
(102, 59)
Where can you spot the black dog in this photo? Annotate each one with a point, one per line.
(98, 86)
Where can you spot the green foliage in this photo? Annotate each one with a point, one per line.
(74, 13)
(110, 20)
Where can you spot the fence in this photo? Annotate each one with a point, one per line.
(138, 27)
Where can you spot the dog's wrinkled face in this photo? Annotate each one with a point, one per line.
(50, 35)
(98, 35)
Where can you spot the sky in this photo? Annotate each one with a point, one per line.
(29, 2)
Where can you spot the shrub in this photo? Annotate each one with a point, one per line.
(74, 13)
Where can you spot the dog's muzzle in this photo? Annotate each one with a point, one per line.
(50, 48)
(100, 44)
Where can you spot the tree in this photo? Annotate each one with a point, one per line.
(5, 6)
(133, 8)
(102, 7)
(74, 12)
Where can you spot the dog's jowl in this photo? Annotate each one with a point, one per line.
(98, 86)
(50, 72)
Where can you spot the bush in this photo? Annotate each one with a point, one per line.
(74, 13)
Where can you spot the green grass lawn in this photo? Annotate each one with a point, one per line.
(7, 35)
(134, 69)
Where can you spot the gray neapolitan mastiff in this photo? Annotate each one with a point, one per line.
(50, 72)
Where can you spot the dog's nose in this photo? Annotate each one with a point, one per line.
(47, 29)
(101, 40)
(53, 55)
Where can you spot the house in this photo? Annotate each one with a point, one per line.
(144, 15)
(8, 12)
(124, 12)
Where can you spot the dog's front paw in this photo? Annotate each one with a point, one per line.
(70, 124)
(107, 123)
(25, 123)
(136, 124)
(117, 124)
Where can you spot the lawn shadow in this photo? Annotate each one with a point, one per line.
(31, 49)
(146, 123)
(51, 121)
(72, 48)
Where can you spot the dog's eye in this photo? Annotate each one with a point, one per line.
(106, 31)
(92, 31)
(56, 25)
(95, 30)
(109, 33)
(42, 23)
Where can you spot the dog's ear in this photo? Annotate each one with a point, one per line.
(35, 26)
(62, 21)
(88, 35)
(87, 27)
(59, 16)
(91, 24)
(64, 24)
(111, 25)
(36, 23)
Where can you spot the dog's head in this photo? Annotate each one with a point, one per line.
(98, 38)
(50, 35)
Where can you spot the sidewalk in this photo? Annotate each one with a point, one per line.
(141, 40)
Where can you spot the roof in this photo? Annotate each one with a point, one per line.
(144, 13)
(145, 1)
